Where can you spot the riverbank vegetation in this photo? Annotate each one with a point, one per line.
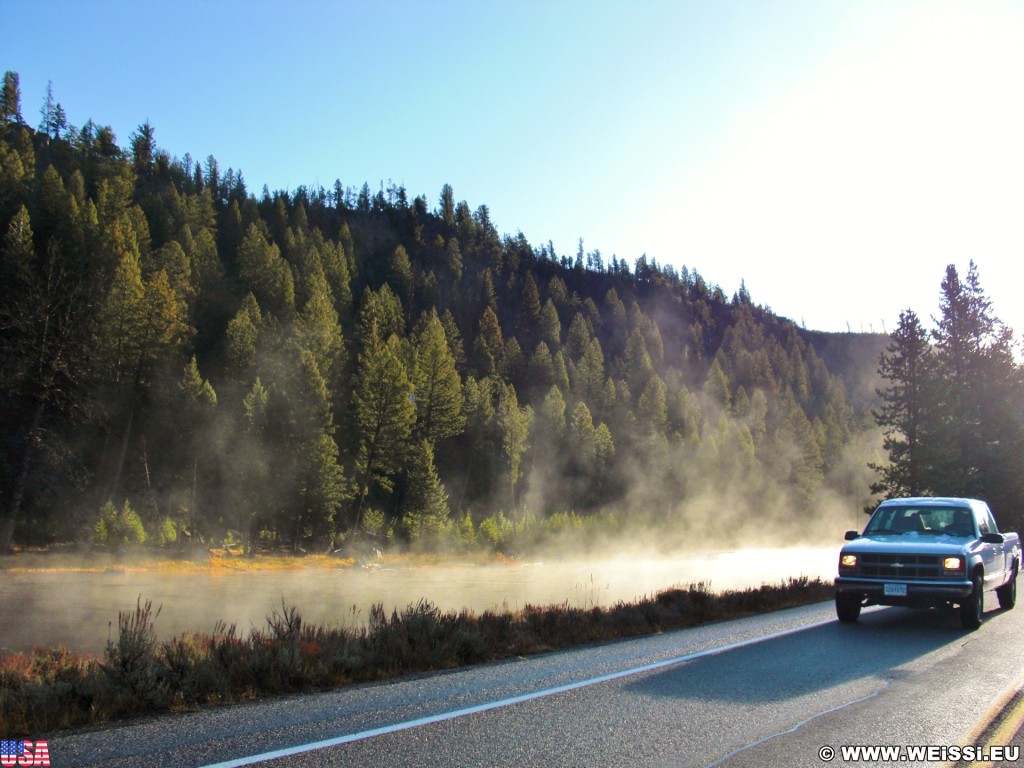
(183, 359)
(52, 689)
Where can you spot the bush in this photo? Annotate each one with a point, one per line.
(497, 530)
(117, 527)
(465, 532)
(167, 531)
(374, 521)
(131, 663)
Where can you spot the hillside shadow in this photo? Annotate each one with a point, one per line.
(811, 660)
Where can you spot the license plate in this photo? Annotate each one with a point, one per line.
(895, 590)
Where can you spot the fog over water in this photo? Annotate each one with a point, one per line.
(79, 609)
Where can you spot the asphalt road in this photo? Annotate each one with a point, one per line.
(769, 690)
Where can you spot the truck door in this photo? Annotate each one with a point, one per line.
(992, 555)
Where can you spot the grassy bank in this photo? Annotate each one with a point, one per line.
(51, 689)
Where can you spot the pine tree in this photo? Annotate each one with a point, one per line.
(579, 337)
(515, 429)
(454, 339)
(253, 483)
(320, 487)
(964, 330)
(266, 274)
(426, 514)
(143, 143)
(447, 207)
(588, 378)
(54, 119)
(241, 336)
(44, 364)
(906, 411)
(531, 323)
(652, 405)
(380, 316)
(400, 275)
(172, 259)
(385, 415)
(10, 99)
(550, 326)
(198, 404)
(436, 385)
(120, 319)
(978, 427)
(716, 385)
(540, 370)
(339, 277)
(453, 259)
(318, 330)
(489, 346)
(791, 452)
(637, 365)
(589, 450)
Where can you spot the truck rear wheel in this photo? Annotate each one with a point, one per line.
(847, 607)
(973, 605)
(1007, 593)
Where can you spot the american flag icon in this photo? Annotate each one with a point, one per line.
(11, 748)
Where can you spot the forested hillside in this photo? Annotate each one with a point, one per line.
(301, 367)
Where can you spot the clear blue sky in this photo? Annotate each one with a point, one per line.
(834, 155)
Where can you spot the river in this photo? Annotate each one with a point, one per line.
(78, 609)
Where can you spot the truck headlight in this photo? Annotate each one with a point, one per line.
(848, 562)
(953, 564)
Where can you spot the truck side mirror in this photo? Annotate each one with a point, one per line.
(851, 535)
(993, 538)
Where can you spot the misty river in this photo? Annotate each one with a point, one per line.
(79, 609)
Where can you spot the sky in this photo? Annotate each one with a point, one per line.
(834, 156)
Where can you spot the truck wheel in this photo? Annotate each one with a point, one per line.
(973, 605)
(1007, 593)
(847, 607)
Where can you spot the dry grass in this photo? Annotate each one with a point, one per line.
(52, 689)
(42, 561)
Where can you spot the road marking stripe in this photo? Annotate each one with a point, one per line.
(1010, 725)
(986, 728)
(443, 716)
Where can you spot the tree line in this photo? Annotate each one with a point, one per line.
(953, 406)
(181, 357)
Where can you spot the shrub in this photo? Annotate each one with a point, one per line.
(131, 663)
(465, 531)
(119, 526)
(561, 522)
(374, 521)
(497, 530)
(167, 531)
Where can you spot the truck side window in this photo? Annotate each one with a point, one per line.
(990, 523)
(984, 522)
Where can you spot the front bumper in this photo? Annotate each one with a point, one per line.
(917, 591)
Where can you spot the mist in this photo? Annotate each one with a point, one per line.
(78, 609)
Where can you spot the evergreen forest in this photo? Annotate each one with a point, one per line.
(185, 360)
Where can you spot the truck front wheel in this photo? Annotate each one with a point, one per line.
(973, 605)
(847, 607)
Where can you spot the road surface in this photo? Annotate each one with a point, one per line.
(779, 689)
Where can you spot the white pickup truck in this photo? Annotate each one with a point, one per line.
(925, 553)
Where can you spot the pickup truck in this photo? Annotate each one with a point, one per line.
(928, 553)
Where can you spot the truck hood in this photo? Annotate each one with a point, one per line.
(911, 543)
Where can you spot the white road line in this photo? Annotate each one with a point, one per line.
(441, 717)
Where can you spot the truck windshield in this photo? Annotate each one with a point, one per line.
(904, 520)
